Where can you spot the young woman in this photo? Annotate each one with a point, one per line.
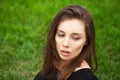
(70, 48)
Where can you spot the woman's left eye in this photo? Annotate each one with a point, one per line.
(76, 38)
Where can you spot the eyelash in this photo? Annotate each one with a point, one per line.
(62, 35)
(74, 38)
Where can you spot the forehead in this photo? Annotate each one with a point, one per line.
(72, 26)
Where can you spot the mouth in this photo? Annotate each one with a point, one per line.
(65, 53)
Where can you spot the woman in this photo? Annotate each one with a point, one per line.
(70, 46)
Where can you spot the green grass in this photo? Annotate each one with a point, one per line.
(23, 32)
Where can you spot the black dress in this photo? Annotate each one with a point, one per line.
(82, 74)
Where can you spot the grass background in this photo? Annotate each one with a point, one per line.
(23, 32)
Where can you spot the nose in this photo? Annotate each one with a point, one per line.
(66, 42)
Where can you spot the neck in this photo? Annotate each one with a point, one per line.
(63, 64)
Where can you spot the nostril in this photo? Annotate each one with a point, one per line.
(66, 42)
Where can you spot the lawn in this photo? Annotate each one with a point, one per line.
(23, 32)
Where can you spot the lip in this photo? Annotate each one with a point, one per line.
(65, 52)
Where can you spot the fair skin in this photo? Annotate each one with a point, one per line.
(70, 39)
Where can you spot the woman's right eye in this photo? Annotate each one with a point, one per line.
(61, 35)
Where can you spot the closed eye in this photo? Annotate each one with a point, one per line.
(76, 38)
(61, 35)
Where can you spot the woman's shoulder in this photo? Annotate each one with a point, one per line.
(83, 74)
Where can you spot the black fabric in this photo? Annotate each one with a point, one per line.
(82, 74)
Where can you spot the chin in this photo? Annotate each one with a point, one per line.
(65, 58)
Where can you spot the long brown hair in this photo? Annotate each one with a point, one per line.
(52, 58)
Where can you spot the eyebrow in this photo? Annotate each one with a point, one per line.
(60, 30)
(72, 33)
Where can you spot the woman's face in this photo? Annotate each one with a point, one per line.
(70, 38)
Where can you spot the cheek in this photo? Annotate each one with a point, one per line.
(78, 47)
(58, 42)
